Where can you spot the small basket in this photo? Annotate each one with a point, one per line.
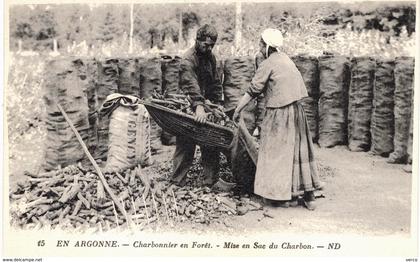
(180, 124)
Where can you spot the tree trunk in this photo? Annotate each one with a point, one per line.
(130, 47)
(180, 37)
(55, 46)
(20, 45)
(238, 26)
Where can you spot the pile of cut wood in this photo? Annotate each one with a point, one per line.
(74, 198)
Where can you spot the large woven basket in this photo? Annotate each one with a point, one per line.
(180, 124)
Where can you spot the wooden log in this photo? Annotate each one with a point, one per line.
(84, 200)
(77, 208)
(63, 214)
(125, 181)
(70, 193)
(76, 218)
(100, 192)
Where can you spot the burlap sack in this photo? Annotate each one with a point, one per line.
(404, 83)
(361, 103)
(129, 139)
(243, 159)
(150, 82)
(238, 73)
(65, 86)
(382, 124)
(170, 86)
(129, 76)
(108, 76)
(92, 78)
(333, 100)
(308, 67)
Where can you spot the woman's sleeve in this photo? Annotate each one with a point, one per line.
(258, 82)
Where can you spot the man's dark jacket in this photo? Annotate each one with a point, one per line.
(199, 79)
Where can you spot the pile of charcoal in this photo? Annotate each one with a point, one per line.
(74, 198)
(182, 103)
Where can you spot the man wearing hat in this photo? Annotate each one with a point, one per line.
(199, 80)
(285, 168)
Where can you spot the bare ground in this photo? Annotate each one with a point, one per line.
(364, 195)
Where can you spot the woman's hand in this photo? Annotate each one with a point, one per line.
(242, 103)
(200, 114)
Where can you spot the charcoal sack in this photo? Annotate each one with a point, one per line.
(244, 155)
(170, 86)
(382, 125)
(170, 75)
(308, 67)
(129, 76)
(91, 73)
(410, 138)
(108, 79)
(151, 82)
(333, 100)
(238, 73)
(129, 138)
(66, 87)
(403, 97)
(360, 103)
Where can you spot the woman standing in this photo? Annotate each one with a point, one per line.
(286, 167)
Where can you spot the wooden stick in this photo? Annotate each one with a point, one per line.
(116, 215)
(121, 178)
(108, 227)
(134, 210)
(100, 227)
(100, 193)
(77, 208)
(166, 210)
(38, 202)
(145, 209)
(155, 205)
(176, 205)
(144, 180)
(92, 160)
(127, 217)
(70, 193)
(84, 200)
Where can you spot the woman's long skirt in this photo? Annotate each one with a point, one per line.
(286, 165)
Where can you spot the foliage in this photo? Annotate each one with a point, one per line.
(172, 26)
(25, 109)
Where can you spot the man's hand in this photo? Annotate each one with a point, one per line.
(219, 107)
(200, 115)
(236, 115)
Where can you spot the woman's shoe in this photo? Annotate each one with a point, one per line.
(275, 203)
(309, 204)
(309, 200)
(321, 186)
(294, 202)
(283, 204)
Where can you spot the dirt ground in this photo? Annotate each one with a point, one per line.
(364, 195)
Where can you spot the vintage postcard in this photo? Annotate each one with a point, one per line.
(219, 128)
